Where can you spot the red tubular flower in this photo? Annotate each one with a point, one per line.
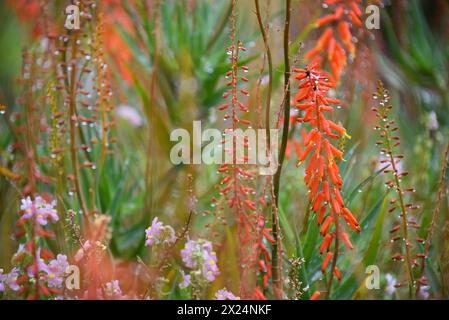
(322, 173)
(236, 185)
(336, 44)
(315, 295)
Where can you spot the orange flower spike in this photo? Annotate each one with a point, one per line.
(326, 191)
(288, 150)
(344, 31)
(331, 49)
(336, 206)
(315, 295)
(318, 201)
(337, 153)
(346, 36)
(326, 242)
(345, 238)
(356, 9)
(337, 273)
(325, 38)
(321, 166)
(321, 215)
(326, 261)
(351, 219)
(308, 138)
(338, 197)
(327, 148)
(325, 20)
(339, 13)
(338, 128)
(326, 224)
(355, 19)
(298, 149)
(306, 153)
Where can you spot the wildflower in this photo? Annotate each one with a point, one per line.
(113, 289)
(129, 114)
(199, 255)
(423, 292)
(82, 251)
(159, 233)
(55, 271)
(9, 279)
(185, 280)
(40, 209)
(391, 283)
(224, 294)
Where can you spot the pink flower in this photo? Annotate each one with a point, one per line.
(199, 256)
(9, 279)
(159, 233)
(113, 289)
(224, 294)
(40, 209)
(185, 280)
(56, 270)
(130, 114)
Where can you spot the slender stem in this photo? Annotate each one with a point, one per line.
(435, 214)
(277, 281)
(270, 72)
(403, 213)
(150, 151)
(72, 120)
(335, 257)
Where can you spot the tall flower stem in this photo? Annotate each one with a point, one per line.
(150, 113)
(403, 213)
(435, 213)
(277, 270)
(390, 141)
(72, 120)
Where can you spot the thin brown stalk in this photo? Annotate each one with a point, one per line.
(72, 120)
(150, 152)
(277, 265)
(435, 214)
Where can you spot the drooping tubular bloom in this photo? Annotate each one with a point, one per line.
(336, 43)
(322, 175)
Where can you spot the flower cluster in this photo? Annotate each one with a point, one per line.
(159, 233)
(39, 209)
(113, 290)
(224, 294)
(199, 256)
(337, 39)
(9, 280)
(322, 172)
(55, 271)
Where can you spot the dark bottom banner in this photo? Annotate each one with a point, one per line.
(226, 310)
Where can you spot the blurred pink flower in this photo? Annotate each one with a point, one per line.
(129, 114)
